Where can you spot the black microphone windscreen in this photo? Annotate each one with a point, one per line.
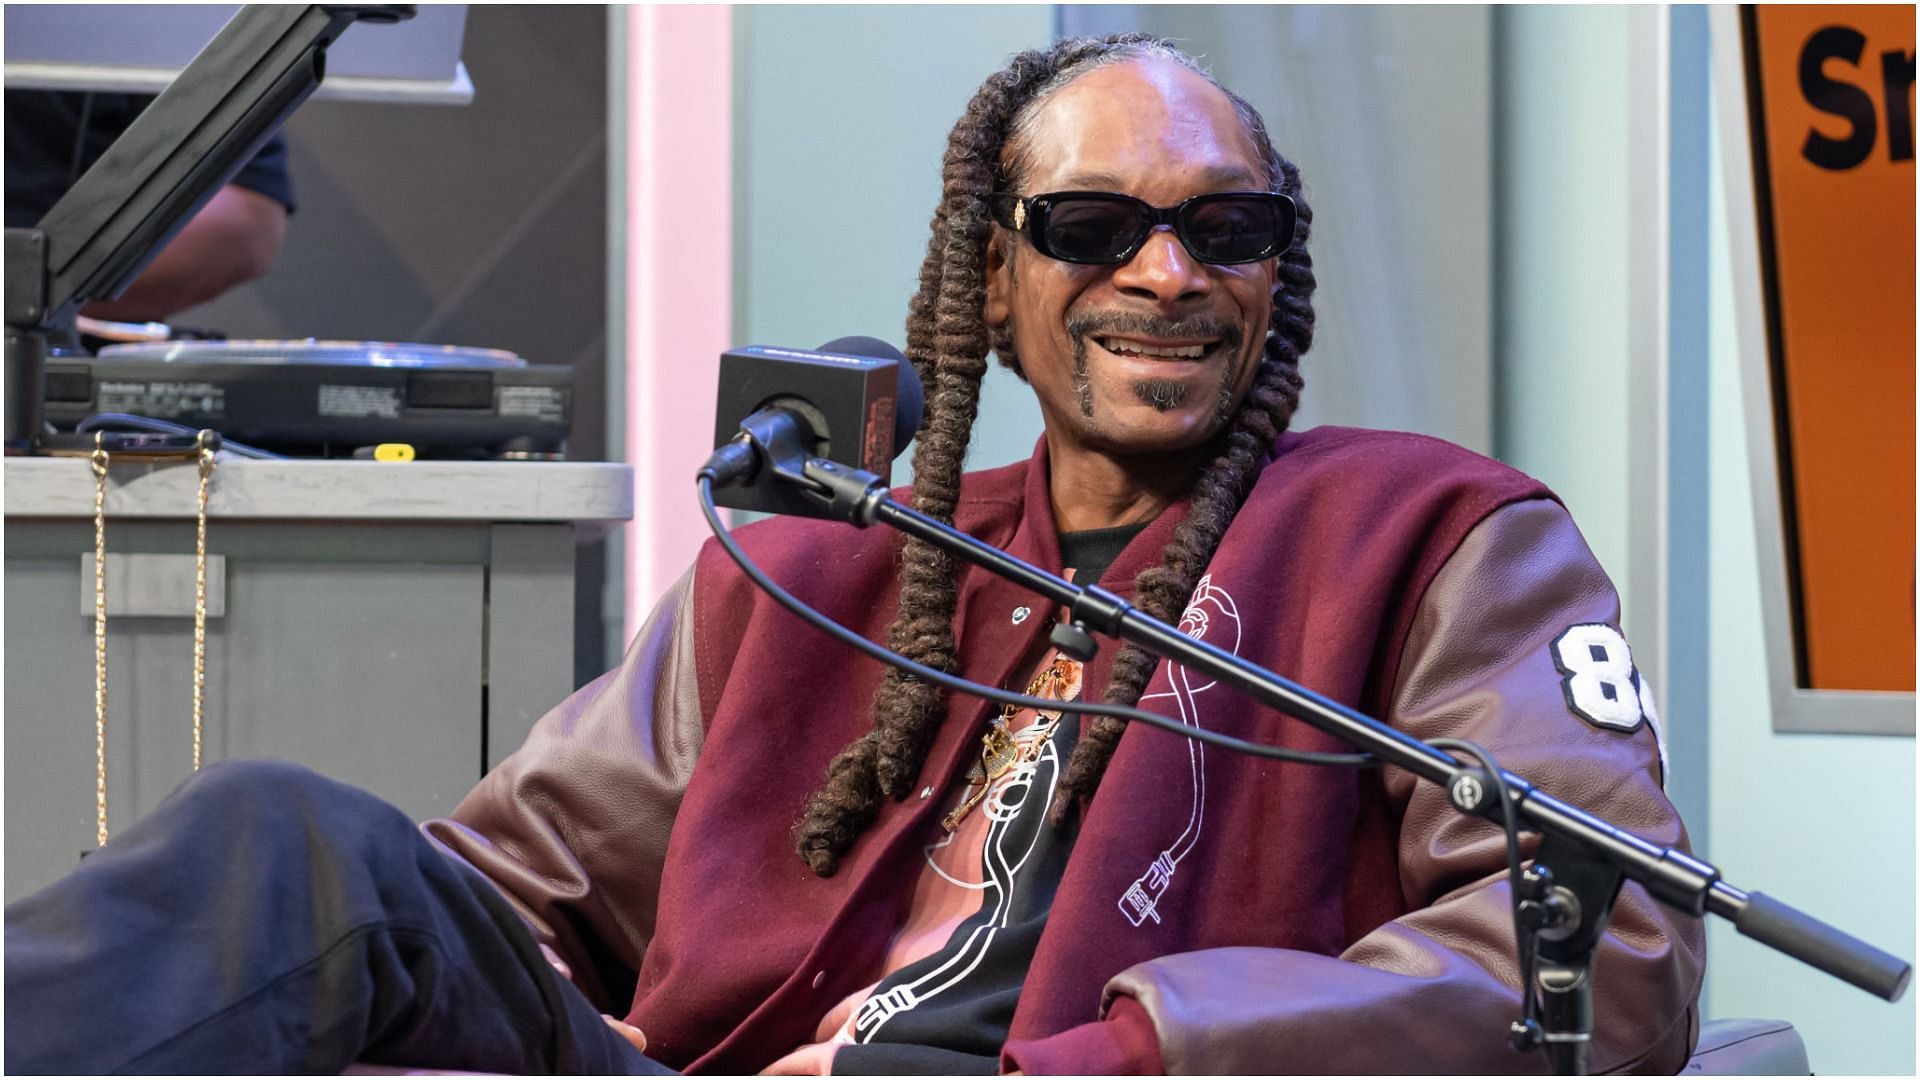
(909, 397)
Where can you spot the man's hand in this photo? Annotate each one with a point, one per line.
(628, 1032)
(559, 965)
(813, 1059)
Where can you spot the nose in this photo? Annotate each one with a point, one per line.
(1163, 270)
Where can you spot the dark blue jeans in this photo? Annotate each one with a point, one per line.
(267, 919)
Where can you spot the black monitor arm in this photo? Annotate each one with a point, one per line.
(181, 150)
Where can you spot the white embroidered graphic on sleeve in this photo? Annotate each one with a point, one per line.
(1600, 680)
(1653, 721)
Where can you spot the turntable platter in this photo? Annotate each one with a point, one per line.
(314, 351)
(326, 398)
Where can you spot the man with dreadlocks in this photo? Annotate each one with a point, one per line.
(978, 889)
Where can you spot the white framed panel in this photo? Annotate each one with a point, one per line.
(1795, 709)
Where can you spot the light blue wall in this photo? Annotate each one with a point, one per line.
(1825, 823)
(1560, 291)
(1822, 822)
(1386, 111)
(841, 117)
(842, 112)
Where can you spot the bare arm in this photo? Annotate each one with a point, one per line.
(233, 239)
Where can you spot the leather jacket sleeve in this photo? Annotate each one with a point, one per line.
(573, 826)
(1436, 989)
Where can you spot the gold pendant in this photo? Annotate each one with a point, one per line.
(998, 753)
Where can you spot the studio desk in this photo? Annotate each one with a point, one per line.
(399, 626)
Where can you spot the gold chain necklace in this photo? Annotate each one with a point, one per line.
(203, 450)
(1000, 751)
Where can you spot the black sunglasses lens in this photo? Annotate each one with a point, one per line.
(1226, 228)
(1093, 229)
(1234, 230)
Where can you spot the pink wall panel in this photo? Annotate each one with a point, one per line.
(679, 246)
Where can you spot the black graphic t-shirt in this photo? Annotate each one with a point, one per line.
(955, 967)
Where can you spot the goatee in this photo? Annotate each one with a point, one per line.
(1160, 395)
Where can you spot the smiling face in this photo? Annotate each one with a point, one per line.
(1152, 355)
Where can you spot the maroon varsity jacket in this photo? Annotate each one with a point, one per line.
(1220, 913)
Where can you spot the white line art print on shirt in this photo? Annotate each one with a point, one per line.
(1005, 854)
(1213, 617)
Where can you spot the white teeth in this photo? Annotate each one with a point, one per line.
(1135, 348)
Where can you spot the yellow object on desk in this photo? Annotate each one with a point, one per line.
(393, 451)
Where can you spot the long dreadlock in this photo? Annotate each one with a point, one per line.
(948, 341)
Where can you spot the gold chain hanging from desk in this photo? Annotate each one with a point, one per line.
(100, 638)
(200, 599)
(203, 450)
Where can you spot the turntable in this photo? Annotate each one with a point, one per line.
(325, 398)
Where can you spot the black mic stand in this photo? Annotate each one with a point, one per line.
(1568, 893)
(1562, 917)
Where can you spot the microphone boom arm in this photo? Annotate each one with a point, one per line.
(1672, 876)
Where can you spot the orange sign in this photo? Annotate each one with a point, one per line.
(1832, 107)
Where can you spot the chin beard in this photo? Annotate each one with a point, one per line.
(1166, 395)
(1161, 395)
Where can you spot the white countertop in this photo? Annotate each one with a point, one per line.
(243, 489)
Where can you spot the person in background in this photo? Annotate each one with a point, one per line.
(54, 137)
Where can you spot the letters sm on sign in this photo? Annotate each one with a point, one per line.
(1831, 107)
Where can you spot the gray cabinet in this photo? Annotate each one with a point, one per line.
(399, 627)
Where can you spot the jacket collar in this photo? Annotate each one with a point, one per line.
(1037, 538)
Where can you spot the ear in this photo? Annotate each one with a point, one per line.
(999, 306)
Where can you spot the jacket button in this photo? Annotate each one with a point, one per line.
(819, 979)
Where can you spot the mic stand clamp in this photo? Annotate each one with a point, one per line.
(850, 494)
(1072, 638)
(1561, 917)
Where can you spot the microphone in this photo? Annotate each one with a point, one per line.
(854, 401)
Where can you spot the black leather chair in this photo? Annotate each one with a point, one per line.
(1748, 1048)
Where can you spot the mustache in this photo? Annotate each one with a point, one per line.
(1081, 325)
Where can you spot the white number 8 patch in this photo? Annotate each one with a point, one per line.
(1601, 684)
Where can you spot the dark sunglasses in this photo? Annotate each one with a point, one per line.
(1107, 228)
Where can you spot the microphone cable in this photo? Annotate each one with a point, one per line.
(1509, 818)
(1525, 945)
(993, 693)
